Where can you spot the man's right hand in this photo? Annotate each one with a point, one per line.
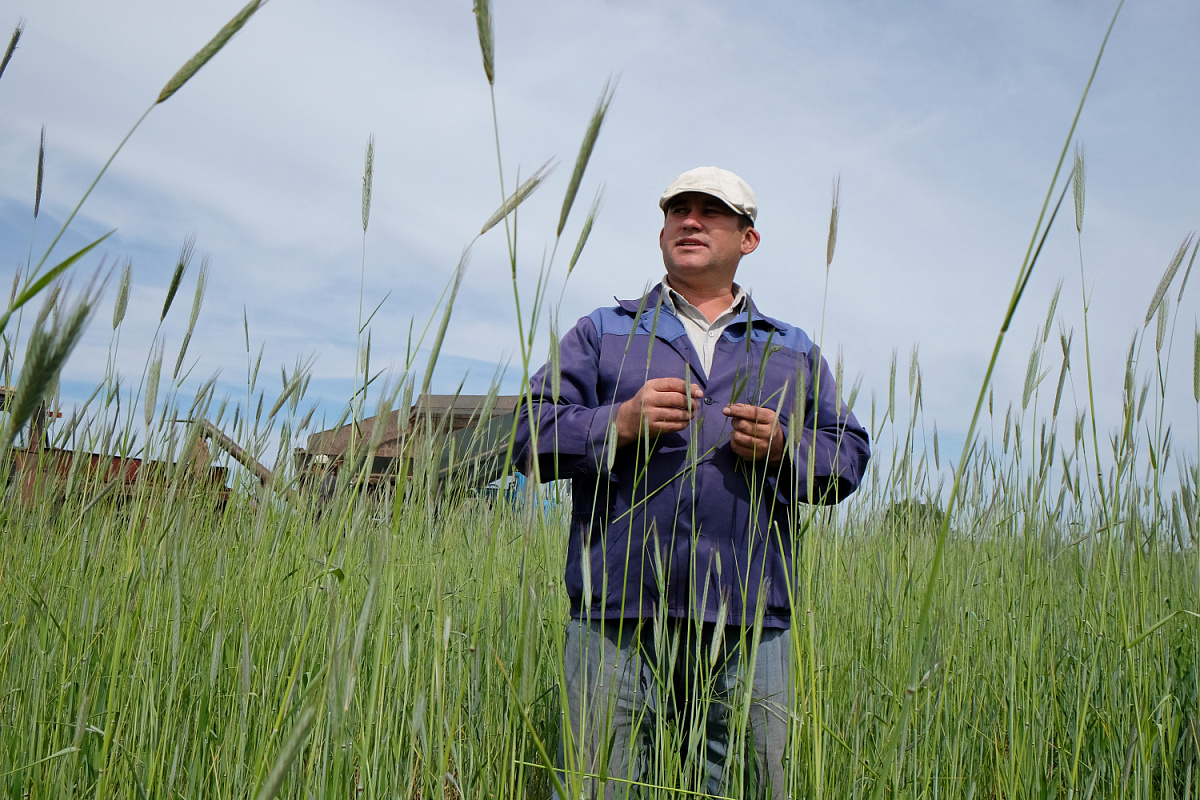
(662, 405)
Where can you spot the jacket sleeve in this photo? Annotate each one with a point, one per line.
(831, 443)
(564, 423)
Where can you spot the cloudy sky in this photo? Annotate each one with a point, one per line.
(942, 120)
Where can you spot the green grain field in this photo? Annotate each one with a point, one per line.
(1029, 629)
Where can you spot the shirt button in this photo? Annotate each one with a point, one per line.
(708, 401)
(712, 334)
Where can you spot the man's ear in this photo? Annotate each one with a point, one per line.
(750, 240)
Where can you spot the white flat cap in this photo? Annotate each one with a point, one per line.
(720, 183)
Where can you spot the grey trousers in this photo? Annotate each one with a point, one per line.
(678, 704)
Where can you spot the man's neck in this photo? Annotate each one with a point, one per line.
(711, 301)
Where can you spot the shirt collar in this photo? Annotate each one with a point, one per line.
(677, 302)
(637, 306)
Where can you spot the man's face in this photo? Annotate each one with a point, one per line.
(701, 241)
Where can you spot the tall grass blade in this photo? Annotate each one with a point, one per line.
(587, 230)
(366, 357)
(209, 50)
(831, 240)
(122, 304)
(1167, 277)
(292, 389)
(487, 38)
(436, 350)
(181, 77)
(12, 46)
(201, 283)
(54, 272)
(360, 632)
(1065, 341)
(1161, 332)
(49, 307)
(185, 258)
(368, 176)
(1079, 184)
(246, 668)
(287, 754)
(1032, 255)
(1187, 272)
(363, 325)
(1130, 371)
(913, 366)
(516, 198)
(1196, 367)
(555, 361)
(891, 412)
(53, 339)
(41, 171)
(585, 152)
(152, 386)
(854, 390)
(66, 751)
(889, 749)
(1050, 312)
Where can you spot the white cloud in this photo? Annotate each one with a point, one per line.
(943, 122)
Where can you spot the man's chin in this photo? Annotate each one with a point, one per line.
(691, 264)
(686, 253)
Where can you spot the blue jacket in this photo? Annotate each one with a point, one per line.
(681, 521)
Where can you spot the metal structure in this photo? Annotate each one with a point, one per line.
(37, 467)
(455, 442)
(465, 436)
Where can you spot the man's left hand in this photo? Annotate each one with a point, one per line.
(757, 435)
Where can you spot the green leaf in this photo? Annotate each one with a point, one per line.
(66, 751)
(287, 754)
(32, 290)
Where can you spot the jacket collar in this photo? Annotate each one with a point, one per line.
(648, 301)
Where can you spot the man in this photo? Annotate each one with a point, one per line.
(691, 426)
